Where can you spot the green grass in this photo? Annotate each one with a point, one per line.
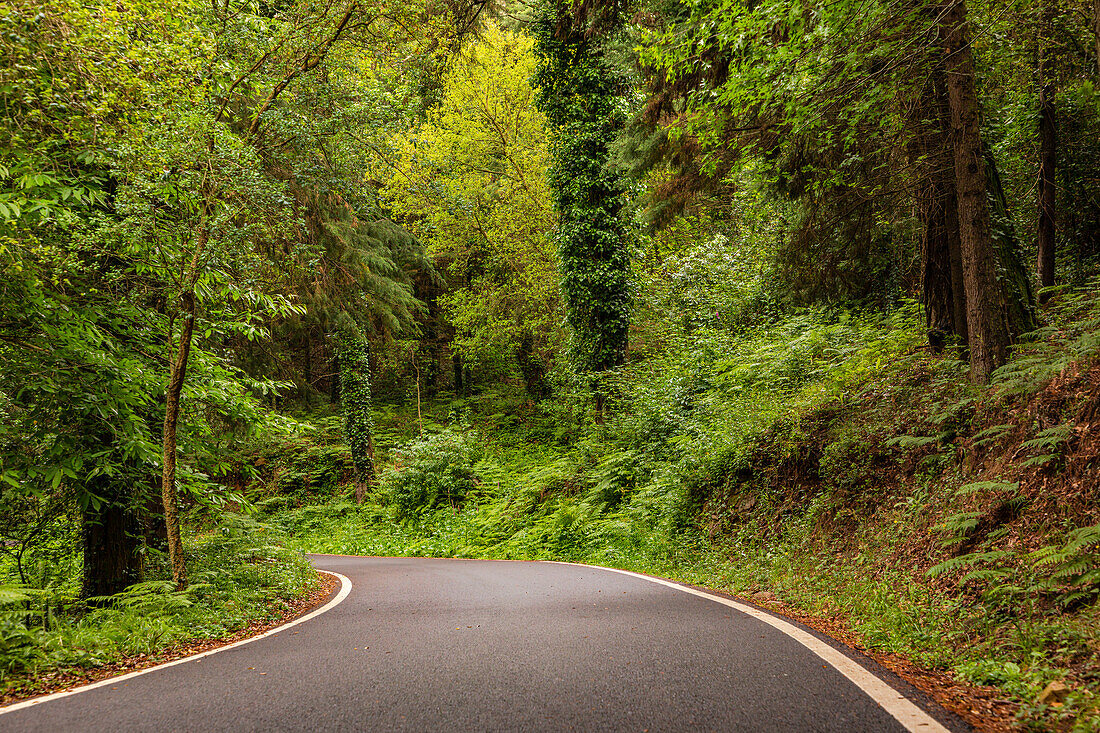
(240, 573)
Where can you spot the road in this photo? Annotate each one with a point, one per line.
(428, 644)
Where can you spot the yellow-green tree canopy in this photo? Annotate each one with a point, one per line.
(471, 183)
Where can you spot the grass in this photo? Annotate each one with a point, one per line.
(240, 574)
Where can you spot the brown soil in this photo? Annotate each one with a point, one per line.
(67, 679)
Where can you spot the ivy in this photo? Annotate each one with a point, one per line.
(351, 350)
(581, 96)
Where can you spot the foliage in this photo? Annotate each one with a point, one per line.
(432, 471)
(581, 95)
(242, 575)
(470, 181)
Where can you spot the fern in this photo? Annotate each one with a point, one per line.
(979, 486)
(1050, 438)
(909, 442)
(990, 434)
(1041, 460)
(969, 560)
(956, 527)
(153, 597)
(14, 594)
(1074, 564)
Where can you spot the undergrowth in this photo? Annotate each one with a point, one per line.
(241, 573)
(827, 458)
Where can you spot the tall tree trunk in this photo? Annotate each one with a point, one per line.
(1013, 276)
(176, 378)
(958, 281)
(355, 402)
(1096, 32)
(171, 421)
(110, 539)
(986, 321)
(942, 289)
(1048, 140)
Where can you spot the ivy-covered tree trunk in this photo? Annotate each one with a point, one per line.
(353, 353)
(579, 93)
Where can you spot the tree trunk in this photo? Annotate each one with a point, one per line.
(1048, 141)
(355, 391)
(153, 528)
(456, 365)
(942, 289)
(1013, 276)
(986, 321)
(532, 368)
(171, 420)
(110, 536)
(958, 282)
(1096, 32)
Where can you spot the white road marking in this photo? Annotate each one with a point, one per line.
(345, 589)
(902, 708)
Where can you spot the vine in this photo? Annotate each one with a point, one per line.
(352, 353)
(581, 95)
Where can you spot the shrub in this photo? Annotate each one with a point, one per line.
(431, 471)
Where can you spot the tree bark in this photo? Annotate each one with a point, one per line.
(985, 317)
(171, 420)
(456, 365)
(110, 539)
(942, 289)
(1048, 140)
(1013, 276)
(1096, 32)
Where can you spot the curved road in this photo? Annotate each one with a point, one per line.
(425, 644)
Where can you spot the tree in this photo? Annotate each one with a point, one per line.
(987, 325)
(848, 112)
(470, 181)
(355, 401)
(1048, 146)
(580, 93)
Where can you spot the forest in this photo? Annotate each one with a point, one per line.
(798, 300)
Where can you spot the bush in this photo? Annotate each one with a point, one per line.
(431, 471)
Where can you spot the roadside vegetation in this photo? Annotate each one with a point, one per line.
(793, 300)
(243, 576)
(857, 486)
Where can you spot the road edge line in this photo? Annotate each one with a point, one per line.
(904, 710)
(345, 589)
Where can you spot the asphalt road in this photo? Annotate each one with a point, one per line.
(424, 644)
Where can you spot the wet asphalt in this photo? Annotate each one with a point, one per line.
(465, 645)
